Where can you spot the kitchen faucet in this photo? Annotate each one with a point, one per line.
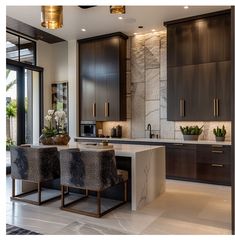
(149, 129)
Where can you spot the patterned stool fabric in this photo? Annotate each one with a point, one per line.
(90, 170)
(34, 164)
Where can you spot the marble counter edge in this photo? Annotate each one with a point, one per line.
(148, 140)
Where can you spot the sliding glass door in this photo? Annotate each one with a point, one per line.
(23, 104)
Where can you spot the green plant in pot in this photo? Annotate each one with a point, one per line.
(219, 133)
(191, 132)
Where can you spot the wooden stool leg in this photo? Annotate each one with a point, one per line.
(13, 187)
(98, 203)
(62, 195)
(39, 192)
(125, 191)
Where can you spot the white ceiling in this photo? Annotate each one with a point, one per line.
(99, 21)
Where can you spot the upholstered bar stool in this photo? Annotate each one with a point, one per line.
(35, 165)
(91, 170)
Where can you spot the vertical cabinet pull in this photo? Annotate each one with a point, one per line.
(94, 109)
(216, 107)
(182, 108)
(106, 109)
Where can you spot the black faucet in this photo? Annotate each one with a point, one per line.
(149, 129)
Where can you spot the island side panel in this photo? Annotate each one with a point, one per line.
(148, 176)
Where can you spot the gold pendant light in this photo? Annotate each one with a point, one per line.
(117, 9)
(52, 17)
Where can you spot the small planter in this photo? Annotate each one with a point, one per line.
(46, 140)
(191, 137)
(220, 138)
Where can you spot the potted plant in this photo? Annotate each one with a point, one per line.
(54, 132)
(191, 132)
(219, 133)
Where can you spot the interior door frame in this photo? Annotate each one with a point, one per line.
(20, 68)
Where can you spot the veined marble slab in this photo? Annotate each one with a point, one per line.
(147, 170)
(152, 140)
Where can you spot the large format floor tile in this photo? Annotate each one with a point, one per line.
(185, 208)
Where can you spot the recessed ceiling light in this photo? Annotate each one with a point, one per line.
(120, 18)
(153, 30)
(185, 7)
(135, 33)
(83, 30)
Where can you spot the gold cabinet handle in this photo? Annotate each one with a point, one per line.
(217, 107)
(94, 109)
(106, 109)
(214, 105)
(217, 165)
(182, 108)
(217, 151)
(217, 146)
(178, 144)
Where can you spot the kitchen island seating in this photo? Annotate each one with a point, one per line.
(36, 165)
(90, 170)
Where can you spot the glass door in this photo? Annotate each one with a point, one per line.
(23, 104)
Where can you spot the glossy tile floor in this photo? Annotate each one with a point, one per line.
(185, 208)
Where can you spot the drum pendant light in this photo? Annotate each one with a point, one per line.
(52, 17)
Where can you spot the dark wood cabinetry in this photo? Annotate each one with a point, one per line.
(203, 163)
(213, 164)
(181, 161)
(102, 78)
(198, 68)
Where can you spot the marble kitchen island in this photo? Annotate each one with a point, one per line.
(147, 171)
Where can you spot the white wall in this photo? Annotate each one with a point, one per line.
(59, 61)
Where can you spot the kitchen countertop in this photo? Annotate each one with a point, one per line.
(151, 140)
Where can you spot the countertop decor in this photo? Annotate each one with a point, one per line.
(191, 132)
(219, 133)
(54, 132)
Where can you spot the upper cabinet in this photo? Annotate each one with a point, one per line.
(198, 68)
(103, 78)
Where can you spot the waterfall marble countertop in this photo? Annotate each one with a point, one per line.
(151, 141)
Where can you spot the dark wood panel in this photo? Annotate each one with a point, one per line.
(87, 80)
(180, 163)
(214, 173)
(210, 154)
(30, 31)
(223, 90)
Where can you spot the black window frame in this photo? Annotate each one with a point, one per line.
(34, 47)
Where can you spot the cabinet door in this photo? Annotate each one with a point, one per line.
(112, 110)
(223, 91)
(101, 88)
(205, 95)
(182, 89)
(87, 81)
(214, 164)
(181, 161)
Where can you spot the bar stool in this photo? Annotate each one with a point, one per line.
(91, 170)
(35, 165)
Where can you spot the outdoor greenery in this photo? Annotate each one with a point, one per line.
(191, 130)
(219, 132)
(9, 143)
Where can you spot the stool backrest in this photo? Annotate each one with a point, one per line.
(93, 170)
(35, 163)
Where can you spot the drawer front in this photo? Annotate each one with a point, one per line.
(214, 154)
(181, 146)
(214, 173)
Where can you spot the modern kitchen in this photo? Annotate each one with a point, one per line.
(153, 91)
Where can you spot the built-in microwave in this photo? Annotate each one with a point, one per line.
(88, 128)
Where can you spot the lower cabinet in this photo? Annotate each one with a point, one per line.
(181, 161)
(203, 163)
(214, 164)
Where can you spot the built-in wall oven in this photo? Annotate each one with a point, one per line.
(88, 128)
